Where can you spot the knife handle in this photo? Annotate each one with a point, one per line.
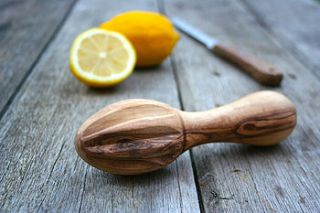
(261, 71)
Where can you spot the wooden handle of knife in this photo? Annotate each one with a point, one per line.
(261, 71)
(262, 118)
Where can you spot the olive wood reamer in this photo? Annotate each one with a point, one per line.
(138, 136)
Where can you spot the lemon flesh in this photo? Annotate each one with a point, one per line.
(101, 58)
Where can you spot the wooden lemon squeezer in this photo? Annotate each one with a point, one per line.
(138, 136)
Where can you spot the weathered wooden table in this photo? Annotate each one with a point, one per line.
(42, 106)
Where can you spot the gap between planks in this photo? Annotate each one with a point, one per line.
(163, 185)
(37, 59)
(201, 103)
(285, 43)
(162, 9)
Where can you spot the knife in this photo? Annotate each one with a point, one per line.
(261, 71)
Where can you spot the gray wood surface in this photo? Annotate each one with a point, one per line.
(40, 170)
(26, 27)
(295, 24)
(235, 178)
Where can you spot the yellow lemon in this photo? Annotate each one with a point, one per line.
(152, 35)
(101, 58)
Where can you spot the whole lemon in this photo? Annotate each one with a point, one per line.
(152, 35)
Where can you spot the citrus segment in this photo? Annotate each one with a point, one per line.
(102, 58)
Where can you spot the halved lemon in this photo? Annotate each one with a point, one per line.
(102, 58)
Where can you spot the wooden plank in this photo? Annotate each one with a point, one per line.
(40, 170)
(26, 27)
(295, 24)
(237, 178)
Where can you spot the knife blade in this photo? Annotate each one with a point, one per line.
(200, 36)
(263, 72)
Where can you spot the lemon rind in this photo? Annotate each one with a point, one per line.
(92, 79)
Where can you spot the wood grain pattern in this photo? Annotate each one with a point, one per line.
(295, 24)
(261, 119)
(139, 136)
(40, 170)
(235, 178)
(26, 27)
(258, 69)
(131, 137)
